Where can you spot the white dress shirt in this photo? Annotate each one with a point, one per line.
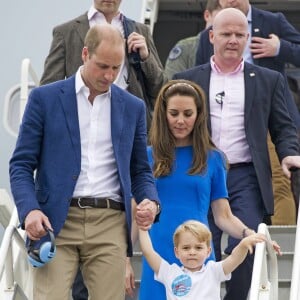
(99, 175)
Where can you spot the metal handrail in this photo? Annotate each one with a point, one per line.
(11, 234)
(150, 10)
(27, 72)
(294, 292)
(262, 285)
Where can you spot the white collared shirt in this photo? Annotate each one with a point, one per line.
(96, 17)
(99, 175)
(227, 120)
(247, 53)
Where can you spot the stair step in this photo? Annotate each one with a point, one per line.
(284, 236)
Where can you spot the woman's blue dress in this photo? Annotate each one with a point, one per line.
(183, 197)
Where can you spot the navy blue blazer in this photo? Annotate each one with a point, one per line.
(49, 143)
(263, 24)
(265, 109)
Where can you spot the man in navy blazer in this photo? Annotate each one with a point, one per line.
(273, 43)
(244, 103)
(86, 139)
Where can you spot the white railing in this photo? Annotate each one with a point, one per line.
(29, 79)
(295, 292)
(264, 284)
(27, 72)
(6, 252)
(15, 273)
(143, 11)
(150, 13)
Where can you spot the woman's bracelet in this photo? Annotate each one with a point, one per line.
(244, 232)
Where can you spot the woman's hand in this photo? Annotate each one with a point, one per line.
(276, 247)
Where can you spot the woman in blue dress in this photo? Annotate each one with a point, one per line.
(190, 174)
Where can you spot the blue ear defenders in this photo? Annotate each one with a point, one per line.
(39, 258)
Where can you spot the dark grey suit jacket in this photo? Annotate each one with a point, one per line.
(265, 109)
(64, 57)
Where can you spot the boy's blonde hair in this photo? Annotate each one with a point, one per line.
(198, 229)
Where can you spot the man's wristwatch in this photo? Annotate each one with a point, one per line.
(158, 207)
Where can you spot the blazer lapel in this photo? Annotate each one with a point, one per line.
(82, 25)
(69, 105)
(257, 27)
(250, 89)
(117, 117)
(204, 81)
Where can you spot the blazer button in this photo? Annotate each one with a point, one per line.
(74, 177)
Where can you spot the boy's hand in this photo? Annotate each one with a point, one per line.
(250, 241)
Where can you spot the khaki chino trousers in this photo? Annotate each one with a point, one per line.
(284, 204)
(95, 239)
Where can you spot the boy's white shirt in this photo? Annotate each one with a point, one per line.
(186, 285)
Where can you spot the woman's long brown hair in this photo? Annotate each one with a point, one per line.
(161, 138)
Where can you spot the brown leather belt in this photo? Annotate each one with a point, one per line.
(90, 202)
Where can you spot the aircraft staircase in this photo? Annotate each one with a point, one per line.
(274, 277)
(15, 272)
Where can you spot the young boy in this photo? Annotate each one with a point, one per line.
(195, 280)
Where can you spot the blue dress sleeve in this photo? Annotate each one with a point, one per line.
(217, 163)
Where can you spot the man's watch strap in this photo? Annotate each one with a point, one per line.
(158, 207)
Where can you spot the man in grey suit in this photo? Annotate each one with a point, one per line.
(245, 102)
(86, 139)
(64, 56)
